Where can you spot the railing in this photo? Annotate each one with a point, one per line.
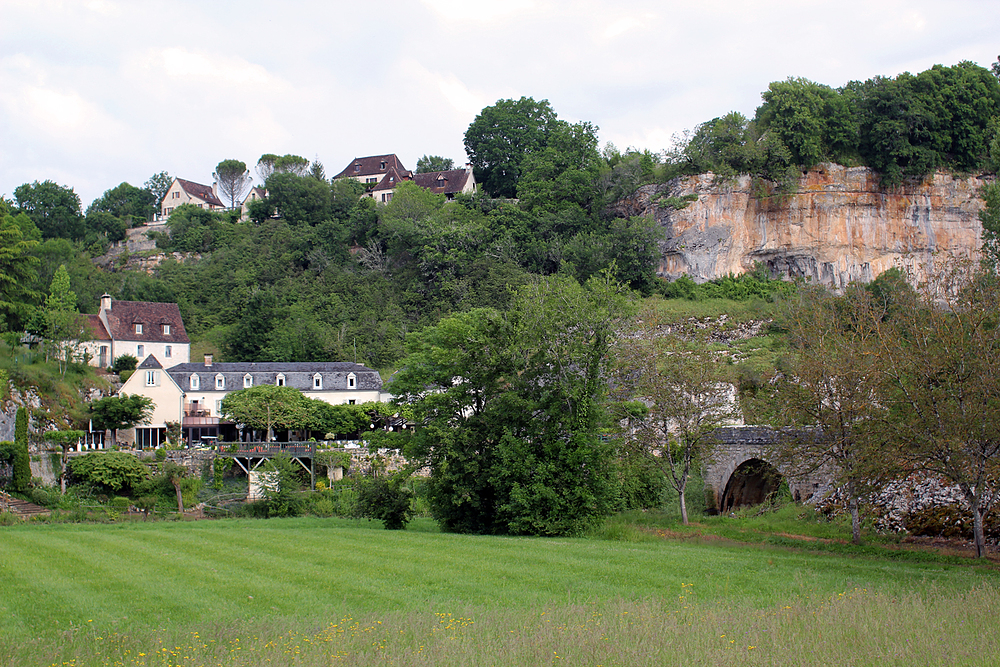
(266, 448)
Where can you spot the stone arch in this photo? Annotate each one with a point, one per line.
(749, 483)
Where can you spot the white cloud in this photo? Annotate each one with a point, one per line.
(480, 11)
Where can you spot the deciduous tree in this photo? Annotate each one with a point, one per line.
(266, 406)
(429, 163)
(117, 412)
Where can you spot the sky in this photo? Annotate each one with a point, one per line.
(94, 93)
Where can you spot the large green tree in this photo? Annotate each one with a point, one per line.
(126, 201)
(17, 275)
(500, 137)
(429, 163)
(510, 408)
(113, 413)
(54, 209)
(266, 406)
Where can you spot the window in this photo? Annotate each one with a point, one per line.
(140, 351)
(247, 381)
(220, 382)
(317, 381)
(152, 378)
(280, 380)
(167, 351)
(218, 407)
(175, 195)
(166, 329)
(352, 381)
(357, 168)
(195, 382)
(351, 401)
(382, 166)
(138, 328)
(371, 180)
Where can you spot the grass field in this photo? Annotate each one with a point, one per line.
(327, 591)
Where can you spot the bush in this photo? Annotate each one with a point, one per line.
(385, 499)
(126, 362)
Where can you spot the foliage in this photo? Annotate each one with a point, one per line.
(127, 203)
(509, 408)
(279, 487)
(989, 216)
(501, 136)
(114, 472)
(65, 440)
(685, 395)
(124, 362)
(54, 209)
(386, 499)
(118, 412)
(266, 406)
(942, 387)
(21, 477)
(17, 273)
(157, 185)
(233, 178)
(829, 392)
(429, 163)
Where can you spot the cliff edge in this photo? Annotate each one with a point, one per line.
(838, 226)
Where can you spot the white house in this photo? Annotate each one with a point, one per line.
(138, 328)
(191, 393)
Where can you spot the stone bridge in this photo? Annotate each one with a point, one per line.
(739, 472)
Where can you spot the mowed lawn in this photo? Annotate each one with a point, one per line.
(311, 591)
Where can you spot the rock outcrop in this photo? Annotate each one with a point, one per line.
(839, 226)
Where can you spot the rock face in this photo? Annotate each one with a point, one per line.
(838, 227)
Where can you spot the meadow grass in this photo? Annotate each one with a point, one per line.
(331, 591)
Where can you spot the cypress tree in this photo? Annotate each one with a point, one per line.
(22, 461)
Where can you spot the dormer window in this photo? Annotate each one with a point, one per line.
(357, 168)
(166, 329)
(138, 328)
(195, 382)
(247, 381)
(280, 380)
(317, 381)
(352, 381)
(382, 166)
(220, 382)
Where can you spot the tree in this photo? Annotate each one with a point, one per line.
(510, 408)
(266, 406)
(157, 185)
(117, 412)
(279, 487)
(687, 398)
(941, 384)
(829, 394)
(233, 179)
(176, 474)
(989, 215)
(22, 460)
(500, 137)
(60, 322)
(54, 209)
(126, 201)
(429, 163)
(17, 274)
(114, 472)
(65, 440)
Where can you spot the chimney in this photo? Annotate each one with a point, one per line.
(208, 360)
(105, 301)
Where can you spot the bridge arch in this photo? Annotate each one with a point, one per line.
(730, 477)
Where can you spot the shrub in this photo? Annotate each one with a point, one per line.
(385, 499)
(126, 362)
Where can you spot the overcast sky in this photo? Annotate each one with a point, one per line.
(96, 92)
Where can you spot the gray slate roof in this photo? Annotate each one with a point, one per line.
(298, 375)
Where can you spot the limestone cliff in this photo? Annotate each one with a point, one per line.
(838, 227)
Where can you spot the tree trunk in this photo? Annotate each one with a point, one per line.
(62, 471)
(855, 520)
(180, 498)
(977, 523)
(684, 509)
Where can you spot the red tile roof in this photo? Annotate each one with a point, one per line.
(393, 178)
(373, 165)
(124, 315)
(443, 182)
(97, 329)
(202, 192)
